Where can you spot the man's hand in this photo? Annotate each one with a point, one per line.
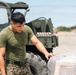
(48, 55)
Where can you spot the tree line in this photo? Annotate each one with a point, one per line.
(64, 28)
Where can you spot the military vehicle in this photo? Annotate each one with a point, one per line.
(42, 28)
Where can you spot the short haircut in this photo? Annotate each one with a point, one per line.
(17, 17)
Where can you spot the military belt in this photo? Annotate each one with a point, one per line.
(19, 63)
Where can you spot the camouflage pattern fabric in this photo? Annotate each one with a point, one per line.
(12, 69)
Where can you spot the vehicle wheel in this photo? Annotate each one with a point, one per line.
(37, 65)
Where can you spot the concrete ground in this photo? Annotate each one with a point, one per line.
(67, 43)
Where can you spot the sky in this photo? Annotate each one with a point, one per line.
(61, 12)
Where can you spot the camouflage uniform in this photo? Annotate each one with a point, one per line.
(14, 69)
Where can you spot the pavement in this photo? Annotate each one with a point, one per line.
(67, 43)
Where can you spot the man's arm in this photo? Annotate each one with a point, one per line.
(40, 47)
(2, 63)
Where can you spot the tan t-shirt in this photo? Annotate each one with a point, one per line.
(15, 43)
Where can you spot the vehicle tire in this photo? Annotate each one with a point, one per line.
(37, 65)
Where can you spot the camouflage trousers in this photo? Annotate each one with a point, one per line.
(12, 69)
